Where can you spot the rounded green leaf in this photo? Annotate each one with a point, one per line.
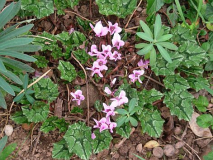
(133, 121)
(205, 120)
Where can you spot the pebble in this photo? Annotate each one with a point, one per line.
(158, 152)
(169, 150)
(179, 145)
(177, 130)
(139, 148)
(139, 9)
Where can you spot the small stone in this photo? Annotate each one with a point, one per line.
(116, 156)
(158, 152)
(139, 148)
(139, 9)
(177, 130)
(179, 145)
(8, 130)
(169, 150)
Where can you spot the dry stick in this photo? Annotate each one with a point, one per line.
(40, 37)
(86, 87)
(204, 138)
(36, 143)
(148, 80)
(154, 80)
(67, 11)
(133, 13)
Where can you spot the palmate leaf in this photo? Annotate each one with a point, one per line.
(67, 70)
(148, 96)
(180, 104)
(165, 68)
(102, 141)
(60, 150)
(37, 112)
(81, 55)
(151, 122)
(45, 89)
(176, 83)
(19, 118)
(52, 123)
(39, 8)
(78, 138)
(61, 5)
(120, 8)
(124, 130)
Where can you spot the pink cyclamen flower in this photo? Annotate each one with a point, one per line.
(143, 64)
(107, 90)
(99, 29)
(95, 70)
(102, 124)
(113, 82)
(106, 50)
(112, 126)
(136, 75)
(93, 136)
(115, 56)
(101, 64)
(94, 51)
(109, 110)
(114, 28)
(116, 41)
(77, 96)
(119, 100)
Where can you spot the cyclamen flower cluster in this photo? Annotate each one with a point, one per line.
(108, 51)
(105, 123)
(137, 73)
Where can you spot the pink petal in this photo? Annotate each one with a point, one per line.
(93, 136)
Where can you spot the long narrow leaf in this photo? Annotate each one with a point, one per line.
(18, 97)
(16, 32)
(3, 142)
(141, 45)
(152, 56)
(4, 14)
(9, 29)
(157, 26)
(12, 76)
(25, 48)
(2, 3)
(18, 55)
(15, 42)
(145, 36)
(164, 38)
(2, 67)
(5, 86)
(146, 29)
(2, 104)
(180, 11)
(16, 64)
(164, 53)
(25, 82)
(8, 150)
(145, 50)
(168, 45)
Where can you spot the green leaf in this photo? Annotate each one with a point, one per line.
(153, 56)
(208, 156)
(124, 130)
(176, 83)
(165, 68)
(41, 61)
(52, 123)
(201, 103)
(121, 111)
(207, 89)
(61, 5)
(141, 45)
(78, 138)
(67, 70)
(15, 42)
(2, 3)
(133, 121)
(19, 118)
(81, 55)
(205, 120)
(2, 67)
(148, 96)
(146, 49)
(172, 14)
(133, 102)
(145, 36)
(120, 121)
(146, 29)
(120, 8)
(25, 48)
(40, 8)
(7, 151)
(102, 141)
(2, 101)
(164, 53)
(98, 106)
(164, 38)
(3, 142)
(196, 82)
(153, 6)
(180, 104)
(37, 112)
(168, 45)
(151, 122)
(18, 97)
(157, 28)
(5, 86)
(45, 89)
(12, 76)
(60, 150)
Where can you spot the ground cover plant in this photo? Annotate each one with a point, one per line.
(100, 72)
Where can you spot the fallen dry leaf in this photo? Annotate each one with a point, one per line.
(200, 132)
(152, 144)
